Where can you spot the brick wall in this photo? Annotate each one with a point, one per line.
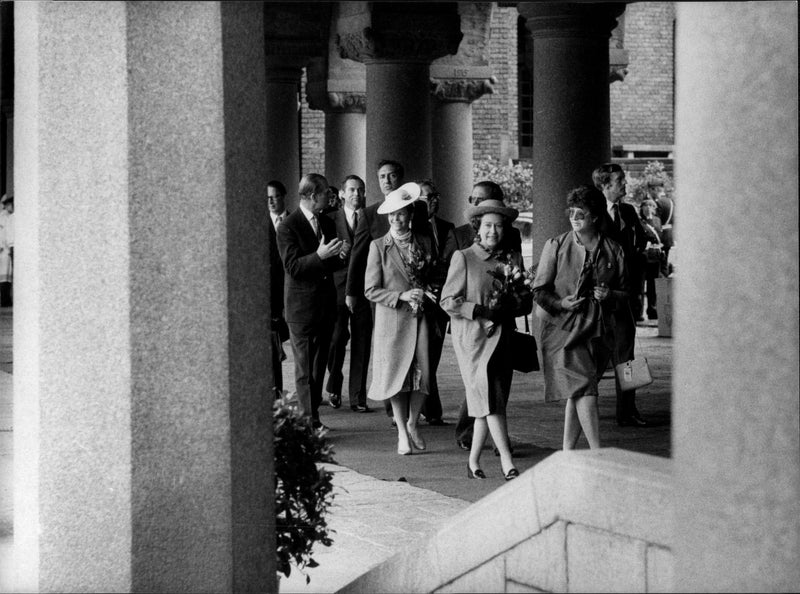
(312, 135)
(642, 104)
(495, 117)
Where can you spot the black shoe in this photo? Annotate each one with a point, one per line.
(317, 424)
(360, 408)
(512, 474)
(478, 474)
(436, 422)
(632, 421)
(335, 400)
(464, 444)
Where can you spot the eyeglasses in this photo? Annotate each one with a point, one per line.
(575, 213)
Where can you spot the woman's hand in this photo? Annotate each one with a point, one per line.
(571, 302)
(601, 292)
(412, 296)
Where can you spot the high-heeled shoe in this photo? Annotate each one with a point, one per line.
(512, 474)
(477, 474)
(404, 451)
(416, 438)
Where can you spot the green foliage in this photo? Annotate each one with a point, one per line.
(303, 492)
(516, 180)
(653, 178)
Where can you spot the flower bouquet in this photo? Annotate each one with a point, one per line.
(510, 286)
(419, 265)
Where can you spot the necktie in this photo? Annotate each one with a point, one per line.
(278, 220)
(355, 220)
(315, 225)
(435, 234)
(615, 208)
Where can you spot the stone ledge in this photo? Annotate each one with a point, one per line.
(625, 494)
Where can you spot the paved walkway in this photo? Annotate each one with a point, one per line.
(384, 501)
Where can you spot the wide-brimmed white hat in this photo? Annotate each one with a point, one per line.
(493, 206)
(400, 198)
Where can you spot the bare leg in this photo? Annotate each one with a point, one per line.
(399, 407)
(497, 427)
(416, 400)
(479, 432)
(572, 427)
(589, 416)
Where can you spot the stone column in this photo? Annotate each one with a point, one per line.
(397, 46)
(735, 415)
(282, 137)
(7, 95)
(457, 81)
(338, 87)
(294, 33)
(571, 121)
(142, 424)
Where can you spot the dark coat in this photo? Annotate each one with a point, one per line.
(344, 233)
(309, 292)
(631, 238)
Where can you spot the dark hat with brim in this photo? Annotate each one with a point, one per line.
(492, 206)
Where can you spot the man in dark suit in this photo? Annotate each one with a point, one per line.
(349, 327)
(278, 322)
(311, 252)
(622, 224)
(440, 229)
(372, 226)
(461, 238)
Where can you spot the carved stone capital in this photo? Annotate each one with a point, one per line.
(296, 29)
(391, 31)
(347, 102)
(464, 90)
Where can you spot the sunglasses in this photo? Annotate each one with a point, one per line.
(575, 213)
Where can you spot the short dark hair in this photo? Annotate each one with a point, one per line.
(495, 191)
(355, 177)
(310, 183)
(602, 175)
(588, 198)
(429, 183)
(397, 166)
(279, 187)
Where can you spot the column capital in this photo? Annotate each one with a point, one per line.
(555, 19)
(296, 30)
(464, 90)
(394, 31)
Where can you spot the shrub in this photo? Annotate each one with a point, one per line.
(653, 178)
(516, 179)
(303, 492)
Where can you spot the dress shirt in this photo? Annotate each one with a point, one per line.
(349, 213)
(277, 218)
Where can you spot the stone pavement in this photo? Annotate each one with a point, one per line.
(385, 502)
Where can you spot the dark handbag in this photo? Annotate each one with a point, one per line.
(524, 355)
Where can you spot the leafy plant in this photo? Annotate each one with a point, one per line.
(653, 178)
(303, 491)
(516, 179)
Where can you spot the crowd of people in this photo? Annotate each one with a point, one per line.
(391, 280)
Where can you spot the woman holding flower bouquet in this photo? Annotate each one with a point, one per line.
(485, 290)
(396, 281)
(580, 282)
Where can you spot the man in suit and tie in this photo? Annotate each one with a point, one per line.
(311, 253)
(277, 319)
(349, 326)
(440, 229)
(622, 224)
(372, 226)
(461, 238)
(276, 200)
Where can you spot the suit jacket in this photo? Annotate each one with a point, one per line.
(276, 273)
(439, 242)
(631, 238)
(309, 292)
(371, 226)
(344, 233)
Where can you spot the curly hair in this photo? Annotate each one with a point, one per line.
(588, 198)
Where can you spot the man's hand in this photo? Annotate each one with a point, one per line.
(330, 249)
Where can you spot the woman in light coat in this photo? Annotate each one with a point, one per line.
(482, 330)
(394, 281)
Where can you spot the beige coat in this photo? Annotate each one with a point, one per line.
(398, 334)
(468, 284)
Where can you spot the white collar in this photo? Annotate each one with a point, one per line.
(307, 213)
